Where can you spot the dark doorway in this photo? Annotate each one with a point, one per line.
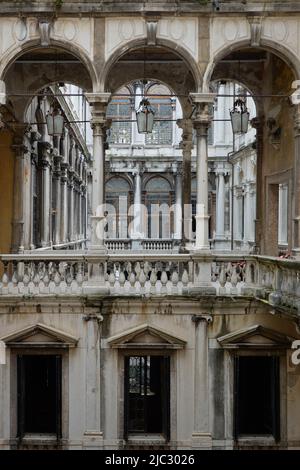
(147, 395)
(257, 409)
(39, 394)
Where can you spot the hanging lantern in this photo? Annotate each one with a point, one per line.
(55, 123)
(145, 117)
(239, 116)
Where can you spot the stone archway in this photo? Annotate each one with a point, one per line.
(269, 79)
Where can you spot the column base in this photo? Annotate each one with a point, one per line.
(296, 252)
(93, 290)
(202, 290)
(97, 250)
(222, 244)
(201, 441)
(201, 242)
(201, 249)
(93, 440)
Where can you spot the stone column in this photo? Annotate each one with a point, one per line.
(64, 208)
(296, 186)
(201, 437)
(186, 145)
(93, 435)
(99, 124)
(34, 162)
(71, 205)
(46, 185)
(57, 199)
(20, 151)
(178, 204)
(137, 205)
(80, 211)
(258, 124)
(201, 122)
(220, 210)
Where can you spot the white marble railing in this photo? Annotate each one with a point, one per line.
(274, 280)
(118, 244)
(157, 244)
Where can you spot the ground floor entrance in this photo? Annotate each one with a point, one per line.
(39, 394)
(147, 395)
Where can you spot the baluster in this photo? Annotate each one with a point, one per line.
(15, 277)
(5, 278)
(153, 281)
(36, 277)
(79, 275)
(185, 281)
(222, 279)
(234, 281)
(69, 276)
(46, 277)
(142, 279)
(174, 280)
(132, 280)
(26, 277)
(112, 279)
(164, 280)
(214, 272)
(122, 279)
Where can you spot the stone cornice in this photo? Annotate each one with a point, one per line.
(157, 7)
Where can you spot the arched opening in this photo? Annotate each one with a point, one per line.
(154, 63)
(149, 160)
(35, 82)
(56, 167)
(268, 163)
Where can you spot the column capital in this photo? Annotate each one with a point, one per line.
(206, 317)
(257, 122)
(98, 98)
(201, 102)
(221, 172)
(19, 132)
(99, 102)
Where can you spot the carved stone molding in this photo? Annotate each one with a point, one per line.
(203, 317)
(151, 33)
(44, 27)
(255, 30)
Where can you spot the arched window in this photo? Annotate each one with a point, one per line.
(119, 109)
(158, 201)
(163, 107)
(117, 190)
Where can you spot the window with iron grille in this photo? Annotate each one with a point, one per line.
(119, 110)
(162, 129)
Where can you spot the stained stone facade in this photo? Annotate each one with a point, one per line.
(129, 332)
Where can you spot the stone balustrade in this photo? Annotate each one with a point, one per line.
(157, 244)
(118, 244)
(273, 280)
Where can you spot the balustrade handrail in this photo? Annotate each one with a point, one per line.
(275, 280)
(86, 254)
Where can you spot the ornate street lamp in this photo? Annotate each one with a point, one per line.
(55, 123)
(145, 117)
(239, 116)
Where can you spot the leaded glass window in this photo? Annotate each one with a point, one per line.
(163, 107)
(119, 110)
